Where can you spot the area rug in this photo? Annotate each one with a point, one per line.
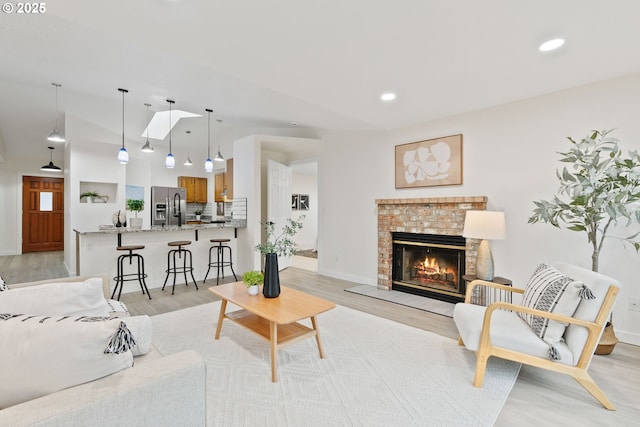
(376, 373)
(416, 301)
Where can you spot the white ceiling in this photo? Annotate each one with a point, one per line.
(264, 64)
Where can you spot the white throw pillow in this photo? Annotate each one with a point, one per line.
(3, 285)
(142, 330)
(64, 299)
(550, 290)
(44, 354)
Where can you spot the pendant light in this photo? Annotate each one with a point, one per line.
(123, 155)
(208, 164)
(147, 148)
(56, 135)
(188, 162)
(218, 157)
(51, 167)
(170, 161)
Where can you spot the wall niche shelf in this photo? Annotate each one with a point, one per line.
(107, 192)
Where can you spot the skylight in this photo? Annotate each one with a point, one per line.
(159, 125)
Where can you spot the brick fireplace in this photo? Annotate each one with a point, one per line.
(435, 216)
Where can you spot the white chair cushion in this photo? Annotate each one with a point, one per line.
(64, 298)
(576, 336)
(44, 354)
(507, 331)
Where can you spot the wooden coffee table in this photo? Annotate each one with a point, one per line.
(274, 319)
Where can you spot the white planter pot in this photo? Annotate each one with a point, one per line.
(135, 223)
(253, 290)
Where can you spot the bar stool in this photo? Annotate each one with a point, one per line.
(139, 275)
(173, 268)
(220, 263)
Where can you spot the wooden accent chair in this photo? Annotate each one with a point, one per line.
(498, 331)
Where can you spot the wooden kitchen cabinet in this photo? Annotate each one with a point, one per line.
(224, 180)
(196, 188)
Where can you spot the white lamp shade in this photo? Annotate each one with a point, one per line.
(123, 156)
(170, 161)
(208, 165)
(484, 225)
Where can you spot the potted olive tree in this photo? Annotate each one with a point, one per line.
(599, 187)
(136, 206)
(274, 245)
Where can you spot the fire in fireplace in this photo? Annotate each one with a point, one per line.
(429, 265)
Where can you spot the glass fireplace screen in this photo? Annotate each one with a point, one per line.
(430, 262)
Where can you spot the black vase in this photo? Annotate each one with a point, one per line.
(271, 288)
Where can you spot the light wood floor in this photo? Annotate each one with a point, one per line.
(539, 398)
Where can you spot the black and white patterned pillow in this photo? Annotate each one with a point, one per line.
(3, 285)
(550, 290)
(116, 306)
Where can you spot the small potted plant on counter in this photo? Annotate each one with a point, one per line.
(135, 206)
(252, 280)
(89, 196)
(198, 213)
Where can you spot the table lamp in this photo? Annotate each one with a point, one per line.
(485, 225)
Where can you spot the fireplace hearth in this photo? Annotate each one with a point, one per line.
(430, 265)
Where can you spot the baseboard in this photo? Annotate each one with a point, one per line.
(628, 337)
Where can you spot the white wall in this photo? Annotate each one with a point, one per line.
(510, 155)
(306, 184)
(246, 184)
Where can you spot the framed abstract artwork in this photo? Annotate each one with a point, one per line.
(429, 163)
(303, 202)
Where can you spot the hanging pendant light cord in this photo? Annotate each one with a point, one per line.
(148, 105)
(170, 102)
(209, 133)
(57, 86)
(123, 92)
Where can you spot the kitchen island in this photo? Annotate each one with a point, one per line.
(96, 252)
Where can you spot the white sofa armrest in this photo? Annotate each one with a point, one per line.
(167, 391)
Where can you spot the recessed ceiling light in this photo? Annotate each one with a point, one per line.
(551, 45)
(388, 96)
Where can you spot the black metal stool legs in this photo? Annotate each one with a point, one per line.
(173, 268)
(220, 263)
(139, 275)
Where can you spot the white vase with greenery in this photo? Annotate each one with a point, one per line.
(274, 245)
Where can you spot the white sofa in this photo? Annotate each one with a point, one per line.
(156, 391)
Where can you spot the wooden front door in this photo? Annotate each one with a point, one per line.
(42, 214)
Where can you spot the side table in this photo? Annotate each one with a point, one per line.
(484, 295)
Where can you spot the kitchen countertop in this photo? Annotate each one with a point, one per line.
(184, 227)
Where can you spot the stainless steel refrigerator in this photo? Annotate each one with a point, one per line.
(168, 205)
